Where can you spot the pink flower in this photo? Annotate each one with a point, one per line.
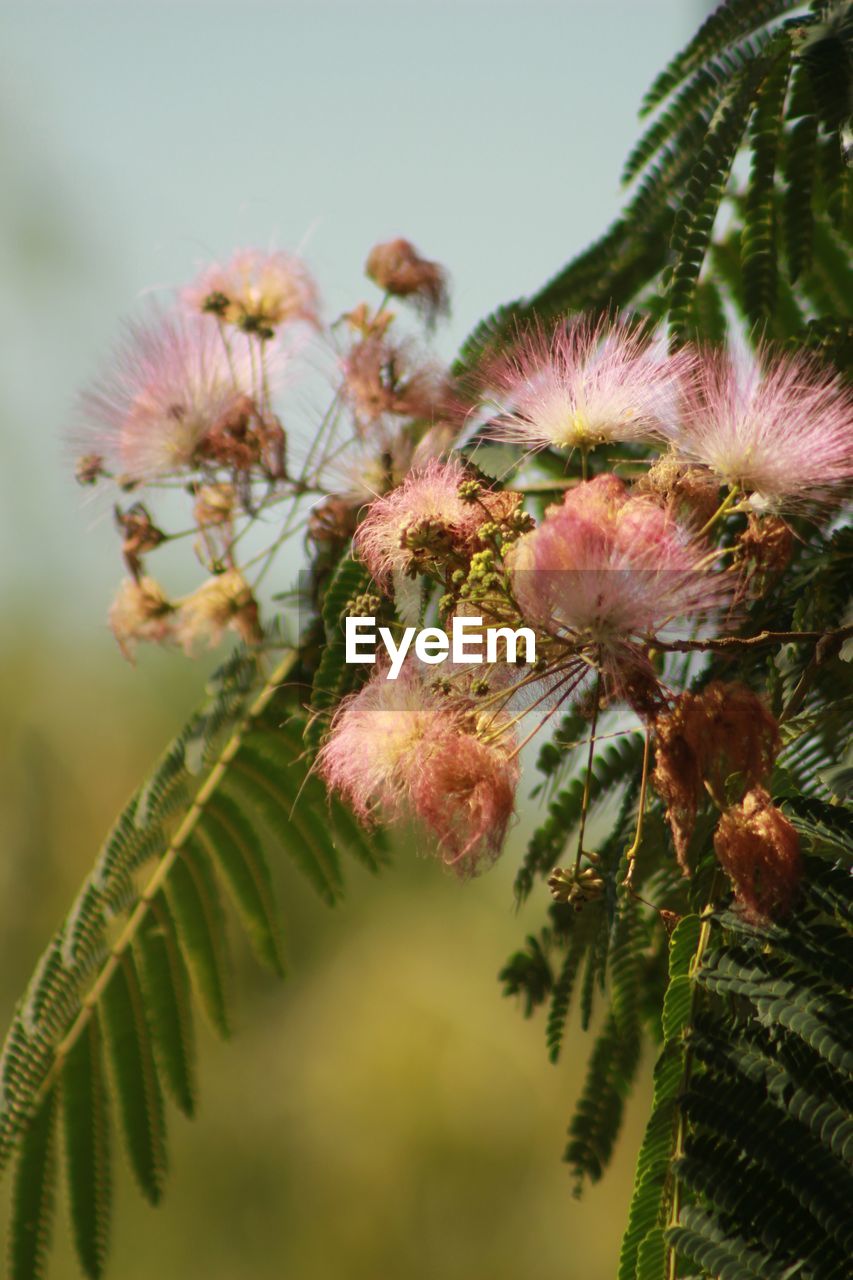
(403, 748)
(257, 291)
(779, 428)
(425, 507)
(170, 387)
(605, 567)
(586, 384)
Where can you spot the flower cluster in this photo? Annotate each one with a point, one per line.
(676, 488)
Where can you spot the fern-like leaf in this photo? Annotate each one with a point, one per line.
(730, 22)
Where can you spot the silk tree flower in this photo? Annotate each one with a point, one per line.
(778, 428)
(606, 568)
(223, 603)
(404, 748)
(586, 384)
(170, 388)
(139, 612)
(256, 291)
(428, 509)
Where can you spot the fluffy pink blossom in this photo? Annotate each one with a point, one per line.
(606, 566)
(402, 748)
(256, 290)
(586, 384)
(170, 386)
(779, 428)
(427, 501)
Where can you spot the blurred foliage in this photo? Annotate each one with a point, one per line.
(381, 1094)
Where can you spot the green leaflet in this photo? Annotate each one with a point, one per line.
(237, 851)
(87, 1148)
(167, 993)
(197, 910)
(695, 220)
(598, 1115)
(33, 1196)
(758, 237)
(134, 1075)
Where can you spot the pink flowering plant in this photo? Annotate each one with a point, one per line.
(629, 500)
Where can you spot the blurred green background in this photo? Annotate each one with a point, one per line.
(384, 1113)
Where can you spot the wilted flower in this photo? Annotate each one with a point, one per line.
(140, 611)
(403, 748)
(397, 267)
(223, 603)
(780, 428)
(170, 387)
(606, 567)
(723, 739)
(423, 517)
(687, 491)
(384, 379)
(586, 384)
(256, 291)
(759, 850)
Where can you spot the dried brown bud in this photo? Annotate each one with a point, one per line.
(759, 850)
(397, 267)
(719, 740)
(140, 535)
(89, 468)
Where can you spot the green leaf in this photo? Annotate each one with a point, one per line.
(87, 1147)
(598, 1116)
(167, 991)
(196, 906)
(237, 851)
(292, 824)
(758, 237)
(651, 1256)
(135, 1077)
(695, 219)
(33, 1195)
